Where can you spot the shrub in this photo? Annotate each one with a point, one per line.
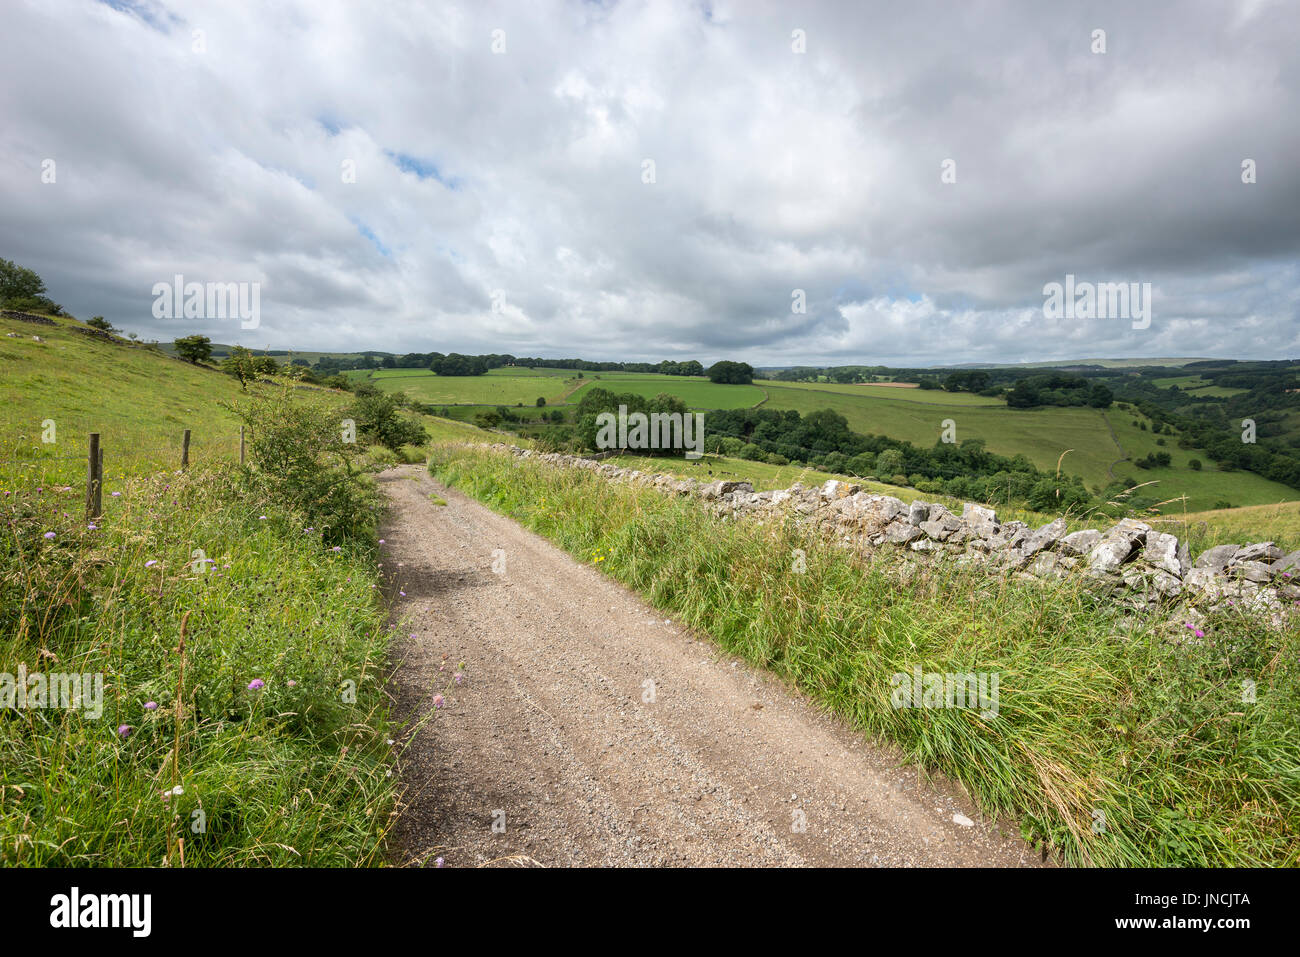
(376, 416)
(298, 456)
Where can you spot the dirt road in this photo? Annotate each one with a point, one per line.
(591, 730)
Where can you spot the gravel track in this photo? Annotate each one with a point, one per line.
(549, 754)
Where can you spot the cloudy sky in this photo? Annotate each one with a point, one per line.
(648, 180)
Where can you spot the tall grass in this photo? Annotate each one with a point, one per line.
(1119, 740)
(294, 771)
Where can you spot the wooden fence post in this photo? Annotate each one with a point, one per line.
(94, 477)
(185, 450)
(241, 445)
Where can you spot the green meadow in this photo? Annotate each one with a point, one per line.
(697, 393)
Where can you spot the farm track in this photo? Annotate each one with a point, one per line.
(1123, 456)
(552, 736)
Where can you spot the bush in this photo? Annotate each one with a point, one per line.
(376, 416)
(299, 457)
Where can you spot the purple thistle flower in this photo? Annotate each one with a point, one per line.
(150, 563)
(123, 730)
(437, 701)
(49, 535)
(256, 684)
(458, 677)
(439, 862)
(151, 706)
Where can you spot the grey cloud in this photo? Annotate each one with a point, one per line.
(774, 170)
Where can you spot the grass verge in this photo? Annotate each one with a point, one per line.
(257, 740)
(1119, 741)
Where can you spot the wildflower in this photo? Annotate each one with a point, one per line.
(151, 706)
(292, 683)
(150, 563)
(123, 730)
(437, 701)
(336, 548)
(115, 494)
(261, 518)
(439, 862)
(256, 684)
(178, 790)
(458, 677)
(402, 593)
(49, 535)
(93, 527)
(381, 541)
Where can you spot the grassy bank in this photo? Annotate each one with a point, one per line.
(260, 739)
(1117, 742)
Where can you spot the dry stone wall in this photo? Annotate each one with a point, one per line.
(1131, 559)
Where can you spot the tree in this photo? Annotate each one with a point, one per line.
(99, 322)
(17, 282)
(731, 373)
(240, 364)
(889, 462)
(21, 289)
(194, 349)
(1100, 397)
(457, 364)
(540, 402)
(375, 414)
(1195, 465)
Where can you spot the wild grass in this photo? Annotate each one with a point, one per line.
(1119, 741)
(241, 653)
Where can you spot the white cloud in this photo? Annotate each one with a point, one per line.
(775, 171)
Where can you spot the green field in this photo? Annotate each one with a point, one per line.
(489, 389)
(697, 393)
(140, 402)
(1197, 386)
(889, 393)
